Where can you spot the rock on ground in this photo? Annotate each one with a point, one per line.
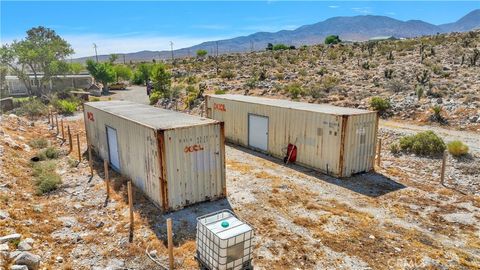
(30, 260)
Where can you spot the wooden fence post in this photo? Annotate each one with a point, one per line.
(444, 166)
(170, 243)
(379, 152)
(78, 146)
(70, 143)
(49, 112)
(63, 129)
(56, 123)
(90, 161)
(130, 205)
(107, 180)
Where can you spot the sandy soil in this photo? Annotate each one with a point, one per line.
(396, 218)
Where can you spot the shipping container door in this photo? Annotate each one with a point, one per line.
(258, 132)
(113, 148)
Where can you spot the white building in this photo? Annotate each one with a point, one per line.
(16, 87)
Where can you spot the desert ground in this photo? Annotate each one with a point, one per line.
(398, 217)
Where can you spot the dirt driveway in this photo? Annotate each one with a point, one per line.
(134, 93)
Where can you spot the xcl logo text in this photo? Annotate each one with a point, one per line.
(90, 116)
(219, 107)
(193, 148)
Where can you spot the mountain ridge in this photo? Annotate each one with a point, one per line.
(354, 28)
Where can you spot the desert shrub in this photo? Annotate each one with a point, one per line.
(45, 177)
(457, 148)
(394, 148)
(227, 74)
(396, 86)
(424, 143)
(65, 107)
(322, 71)
(279, 47)
(379, 104)
(332, 39)
(38, 143)
(419, 91)
(94, 99)
(154, 97)
(48, 153)
(32, 108)
(329, 82)
(219, 92)
(251, 83)
(437, 115)
(65, 93)
(294, 89)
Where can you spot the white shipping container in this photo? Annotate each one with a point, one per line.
(176, 159)
(335, 140)
(223, 241)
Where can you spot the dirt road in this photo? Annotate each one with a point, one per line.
(472, 139)
(133, 93)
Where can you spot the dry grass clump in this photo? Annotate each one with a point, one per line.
(46, 179)
(457, 148)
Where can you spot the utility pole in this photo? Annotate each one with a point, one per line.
(216, 57)
(251, 45)
(171, 49)
(96, 55)
(124, 59)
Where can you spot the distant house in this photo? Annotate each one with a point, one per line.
(15, 87)
(380, 38)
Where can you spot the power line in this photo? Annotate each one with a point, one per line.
(96, 55)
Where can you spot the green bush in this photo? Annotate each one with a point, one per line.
(219, 92)
(379, 104)
(394, 148)
(227, 74)
(38, 143)
(66, 107)
(294, 89)
(32, 107)
(457, 148)
(46, 179)
(332, 39)
(94, 99)
(48, 153)
(154, 97)
(280, 47)
(424, 144)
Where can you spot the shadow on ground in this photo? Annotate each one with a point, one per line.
(370, 184)
(184, 220)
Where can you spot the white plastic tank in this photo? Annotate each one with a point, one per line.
(223, 241)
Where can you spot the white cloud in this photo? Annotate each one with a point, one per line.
(333, 6)
(126, 43)
(363, 10)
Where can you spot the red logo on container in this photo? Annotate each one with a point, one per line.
(90, 116)
(193, 148)
(219, 107)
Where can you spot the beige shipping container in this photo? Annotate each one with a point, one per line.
(176, 159)
(335, 140)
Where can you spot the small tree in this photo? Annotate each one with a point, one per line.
(122, 72)
(102, 72)
(269, 47)
(42, 51)
(75, 68)
(161, 80)
(201, 53)
(332, 39)
(112, 58)
(379, 104)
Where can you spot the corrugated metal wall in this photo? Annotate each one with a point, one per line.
(316, 135)
(195, 164)
(360, 143)
(138, 150)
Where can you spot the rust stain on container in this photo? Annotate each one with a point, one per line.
(336, 140)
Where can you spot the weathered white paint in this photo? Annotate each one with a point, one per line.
(158, 146)
(315, 129)
(258, 132)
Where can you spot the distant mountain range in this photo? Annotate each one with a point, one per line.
(357, 28)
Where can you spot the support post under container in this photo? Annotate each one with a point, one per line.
(56, 123)
(90, 160)
(63, 130)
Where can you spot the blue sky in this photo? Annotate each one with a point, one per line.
(133, 26)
